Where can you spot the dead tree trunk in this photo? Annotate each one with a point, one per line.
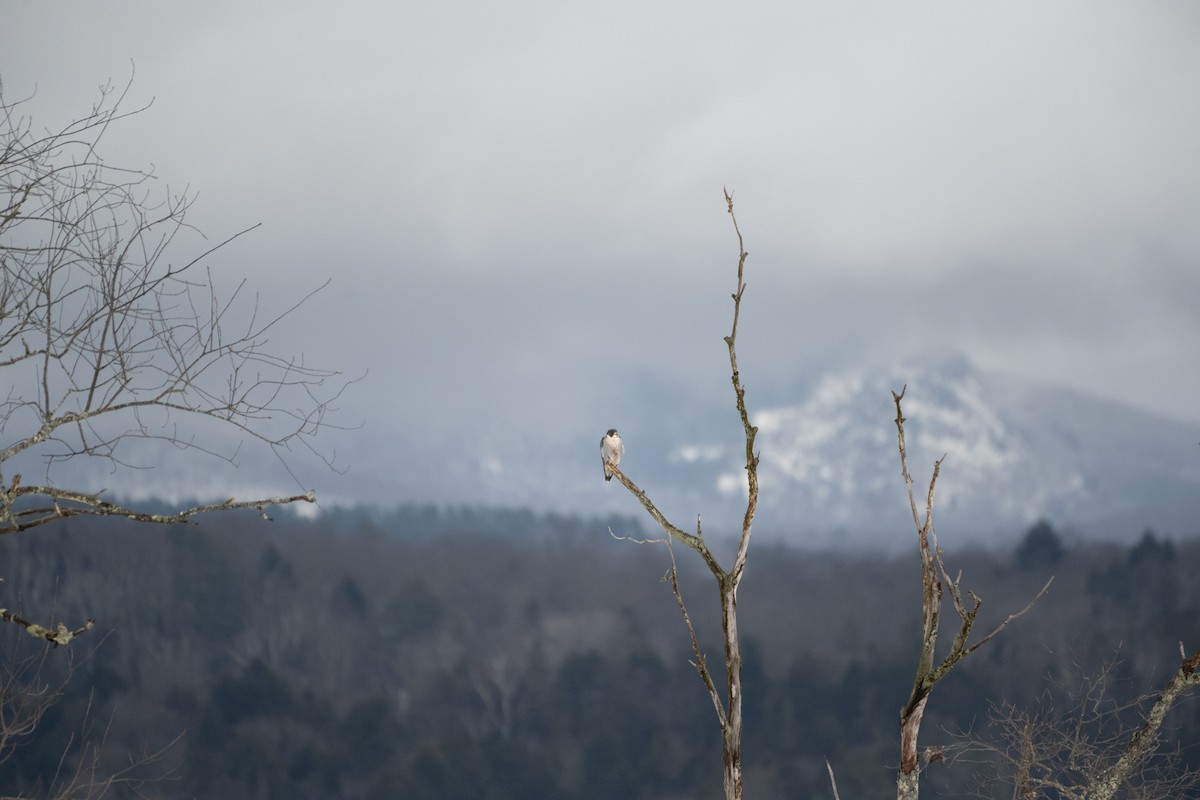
(731, 729)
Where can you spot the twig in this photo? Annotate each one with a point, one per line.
(832, 780)
(635, 540)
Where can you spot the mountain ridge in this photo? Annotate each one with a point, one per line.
(1014, 451)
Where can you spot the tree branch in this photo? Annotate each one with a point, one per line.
(739, 391)
(701, 663)
(59, 634)
(65, 503)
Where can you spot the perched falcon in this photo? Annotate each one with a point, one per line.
(611, 451)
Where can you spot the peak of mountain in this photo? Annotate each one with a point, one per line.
(1014, 451)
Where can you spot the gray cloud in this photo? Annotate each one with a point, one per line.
(510, 197)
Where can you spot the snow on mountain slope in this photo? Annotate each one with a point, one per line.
(1014, 452)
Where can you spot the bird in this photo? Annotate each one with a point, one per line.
(611, 450)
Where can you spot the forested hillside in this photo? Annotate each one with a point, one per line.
(473, 654)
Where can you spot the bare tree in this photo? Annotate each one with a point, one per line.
(111, 345)
(728, 706)
(30, 685)
(105, 340)
(1089, 750)
(935, 580)
(25, 696)
(1104, 783)
(1082, 760)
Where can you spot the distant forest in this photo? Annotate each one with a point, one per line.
(434, 653)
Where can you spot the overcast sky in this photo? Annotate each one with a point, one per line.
(519, 204)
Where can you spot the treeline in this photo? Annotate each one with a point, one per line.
(429, 653)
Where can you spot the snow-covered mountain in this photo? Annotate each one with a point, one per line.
(1014, 452)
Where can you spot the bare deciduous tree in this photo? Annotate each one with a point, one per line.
(1083, 761)
(30, 685)
(1143, 740)
(728, 706)
(1089, 749)
(935, 581)
(104, 339)
(107, 342)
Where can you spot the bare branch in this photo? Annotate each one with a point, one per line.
(832, 780)
(691, 540)
(635, 540)
(65, 503)
(27, 692)
(996, 631)
(751, 431)
(700, 663)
